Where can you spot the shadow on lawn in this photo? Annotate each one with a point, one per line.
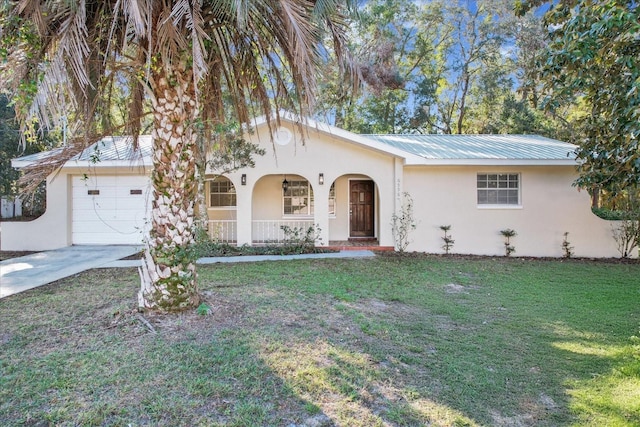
(71, 355)
(75, 353)
(609, 394)
(478, 351)
(334, 346)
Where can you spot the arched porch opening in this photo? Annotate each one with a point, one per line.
(221, 208)
(281, 202)
(354, 210)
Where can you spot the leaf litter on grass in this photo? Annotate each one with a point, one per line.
(373, 343)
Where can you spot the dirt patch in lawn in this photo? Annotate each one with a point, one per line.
(336, 342)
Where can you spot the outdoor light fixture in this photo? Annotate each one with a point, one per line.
(243, 179)
(285, 184)
(321, 179)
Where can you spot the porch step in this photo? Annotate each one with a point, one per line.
(361, 248)
(358, 245)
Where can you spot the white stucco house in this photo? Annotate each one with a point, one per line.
(348, 185)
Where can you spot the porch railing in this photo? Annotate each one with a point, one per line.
(270, 231)
(224, 231)
(263, 231)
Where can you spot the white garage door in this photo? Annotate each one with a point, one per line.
(109, 209)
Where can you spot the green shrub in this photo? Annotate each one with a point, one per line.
(403, 223)
(614, 215)
(298, 240)
(508, 247)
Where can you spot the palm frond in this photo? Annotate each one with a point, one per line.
(71, 35)
(248, 57)
(190, 13)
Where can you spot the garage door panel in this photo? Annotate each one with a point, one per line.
(109, 239)
(111, 191)
(130, 214)
(104, 193)
(115, 226)
(114, 216)
(93, 204)
(109, 203)
(95, 215)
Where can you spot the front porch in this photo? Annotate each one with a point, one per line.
(344, 214)
(262, 231)
(272, 232)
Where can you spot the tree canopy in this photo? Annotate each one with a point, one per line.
(564, 69)
(443, 67)
(593, 60)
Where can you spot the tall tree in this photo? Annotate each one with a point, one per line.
(10, 148)
(478, 70)
(592, 62)
(395, 43)
(181, 55)
(431, 67)
(593, 59)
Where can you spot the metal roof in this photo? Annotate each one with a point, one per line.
(477, 147)
(112, 148)
(108, 149)
(431, 149)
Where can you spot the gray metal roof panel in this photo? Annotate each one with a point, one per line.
(507, 147)
(431, 147)
(116, 148)
(110, 148)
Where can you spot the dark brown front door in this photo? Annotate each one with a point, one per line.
(361, 209)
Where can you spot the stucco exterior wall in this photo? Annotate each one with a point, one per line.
(550, 206)
(442, 195)
(49, 231)
(53, 229)
(323, 153)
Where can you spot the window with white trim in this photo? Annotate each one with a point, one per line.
(222, 193)
(498, 189)
(297, 200)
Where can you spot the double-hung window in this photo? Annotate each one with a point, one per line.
(498, 189)
(298, 199)
(222, 193)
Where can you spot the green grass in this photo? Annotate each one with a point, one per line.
(401, 341)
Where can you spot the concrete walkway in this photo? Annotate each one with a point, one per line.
(255, 258)
(27, 272)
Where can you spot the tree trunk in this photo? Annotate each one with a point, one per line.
(463, 99)
(168, 272)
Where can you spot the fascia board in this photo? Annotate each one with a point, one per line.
(492, 162)
(19, 164)
(83, 164)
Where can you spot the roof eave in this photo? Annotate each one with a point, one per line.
(493, 162)
(144, 161)
(19, 164)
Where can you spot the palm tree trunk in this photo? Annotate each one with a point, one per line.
(168, 273)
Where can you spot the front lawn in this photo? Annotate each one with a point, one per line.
(399, 341)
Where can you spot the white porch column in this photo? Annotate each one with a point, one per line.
(321, 209)
(395, 204)
(398, 184)
(244, 209)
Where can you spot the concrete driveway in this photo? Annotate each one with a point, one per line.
(27, 272)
